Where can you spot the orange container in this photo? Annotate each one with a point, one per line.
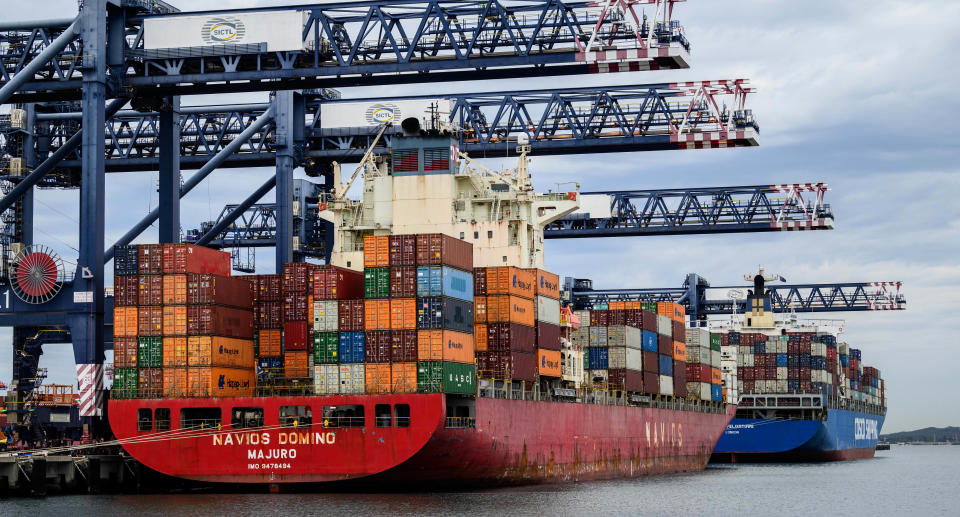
(175, 383)
(208, 381)
(510, 280)
(480, 337)
(617, 306)
(174, 289)
(221, 351)
(546, 284)
(150, 321)
(679, 313)
(175, 320)
(376, 314)
(510, 309)
(633, 306)
(679, 351)
(403, 378)
(548, 363)
(672, 310)
(479, 309)
(125, 322)
(715, 377)
(446, 345)
(296, 363)
(175, 352)
(376, 251)
(270, 343)
(403, 313)
(377, 378)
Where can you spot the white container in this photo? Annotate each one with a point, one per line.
(598, 337)
(699, 389)
(598, 376)
(326, 316)
(698, 355)
(548, 310)
(624, 357)
(280, 30)
(782, 386)
(629, 337)
(584, 318)
(698, 336)
(372, 113)
(580, 337)
(781, 373)
(326, 379)
(664, 325)
(715, 358)
(352, 380)
(666, 384)
(781, 346)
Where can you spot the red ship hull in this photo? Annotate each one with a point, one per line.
(510, 442)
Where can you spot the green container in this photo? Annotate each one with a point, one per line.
(649, 306)
(150, 352)
(601, 306)
(125, 382)
(586, 360)
(325, 347)
(376, 282)
(715, 342)
(446, 377)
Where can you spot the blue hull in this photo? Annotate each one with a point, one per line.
(844, 435)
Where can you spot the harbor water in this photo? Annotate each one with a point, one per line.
(906, 480)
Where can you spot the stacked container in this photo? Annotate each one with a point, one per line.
(505, 316)
(546, 287)
(268, 324)
(297, 319)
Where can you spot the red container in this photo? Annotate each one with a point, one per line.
(269, 288)
(664, 345)
(150, 259)
(151, 290)
(376, 347)
(695, 372)
(679, 387)
(126, 291)
(150, 321)
(480, 281)
(403, 346)
(336, 283)
(749, 386)
(804, 373)
(437, 249)
(770, 373)
(296, 335)
(187, 258)
(649, 320)
(213, 320)
(651, 363)
(350, 313)
(625, 380)
(618, 317)
(150, 385)
(269, 315)
(680, 370)
(403, 281)
(403, 250)
(804, 347)
(125, 352)
(295, 306)
(208, 289)
(296, 277)
(679, 332)
(507, 365)
(793, 373)
(511, 337)
(599, 318)
(651, 383)
(548, 336)
(634, 318)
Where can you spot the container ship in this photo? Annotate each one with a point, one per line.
(433, 347)
(803, 396)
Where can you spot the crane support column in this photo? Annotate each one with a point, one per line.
(30, 160)
(169, 140)
(87, 321)
(285, 106)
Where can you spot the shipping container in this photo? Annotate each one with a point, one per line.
(403, 251)
(480, 309)
(296, 363)
(651, 382)
(352, 346)
(219, 321)
(296, 336)
(664, 345)
(188, 258)
(548, 363)
(480, 337)
(625, 358)
(377, 345)
(326, 379)
(297, 277)
(436, 249)
(269, 314)
(270, 342)
(376, 251)
(205, 289)
(175, 383)
(679, 351)
(548, 310)
(325, 316)
(444, 281)
(150, 321)
(150, 259)
(125, 322)
(150, 385)
(352, 378)
(629, 337)
(625, 380)
(351, 315)
(336, 283)
(376, 282)
(651, 362)
(437, 312)
(511, 337)
(125, 352)
(220, 351)
(205, 381)
(403, 377)
(296, 306)
(546, 284)
(548, 336)
(664, 326)
(445, 345)
(650, 341)
(446, 377)
(403, 281)
(514, 281)
(403, 314)
(404, 345)
(151, 290)
(649, 320)
(149, 352)
(125, 260)
(269, 288)
(377, 378)
(699, 390)
(666, 385)
(326, 347)
(174, 289)
(598, 358)
(479, 281)
(269, 368)
(510, 309)
(507, 365)
(599, 336)
(376, 314)
(174, 352)
(126, 291)
(175, 320)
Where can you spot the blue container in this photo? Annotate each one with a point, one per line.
(666, 365)
(269, 368)
(854, 353)
(442, 312)
(793, 360)
(125, 261)
(845, 360)
(716, 392)
(759, 348)
(444, 281)
(599, 358)
(782, 360)
(793, 386)
(804, 360)
(648, 341)
(351, 347)
(818, 363)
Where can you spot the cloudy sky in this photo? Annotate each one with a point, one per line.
(859, 94)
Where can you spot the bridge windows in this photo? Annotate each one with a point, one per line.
(161, 419)
(200, 417)
(246, 417)
(144, 419)
(296, 416)
(402, 415)
(382, 415)
(346, 415)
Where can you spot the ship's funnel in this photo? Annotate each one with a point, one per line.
(410, 126)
